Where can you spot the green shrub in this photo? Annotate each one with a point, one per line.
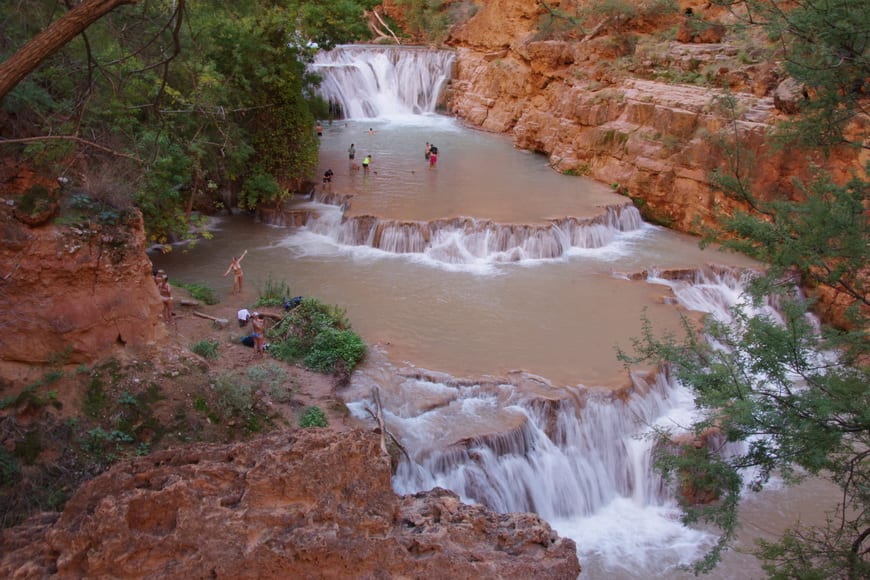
(319, 335)
(273, 293)
(206, 348)
(95, 400)
(269, 377)
(260, 188)
(234, 397)
(313, 417)
(35, 200)
(332, 346)
(199, 292)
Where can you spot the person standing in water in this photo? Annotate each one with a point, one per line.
(433, 156)
(238, 275)
(351, 152)
(366, 162)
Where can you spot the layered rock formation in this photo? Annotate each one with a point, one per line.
(73, 294)
(305, 504)
(656, 141)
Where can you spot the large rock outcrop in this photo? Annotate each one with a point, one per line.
(303, 504)
(73, 294)
(656, 140)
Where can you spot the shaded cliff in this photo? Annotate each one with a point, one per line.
(73, 293)
(308, 503)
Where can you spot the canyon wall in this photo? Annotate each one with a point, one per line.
(657, 142)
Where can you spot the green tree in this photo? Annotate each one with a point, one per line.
(798, 400)
(825, 46)
(174, 105)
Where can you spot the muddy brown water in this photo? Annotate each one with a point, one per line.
(467, 316)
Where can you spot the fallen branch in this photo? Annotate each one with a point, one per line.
(219, 321)
(379, 418)
(384, 24)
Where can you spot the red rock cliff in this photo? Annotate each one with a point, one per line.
(73, 293)
(656, 141)
(301, 504)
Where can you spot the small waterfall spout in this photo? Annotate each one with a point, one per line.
(383, 81)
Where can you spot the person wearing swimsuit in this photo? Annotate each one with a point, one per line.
(238, 275)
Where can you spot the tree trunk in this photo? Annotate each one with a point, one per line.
(50, 40)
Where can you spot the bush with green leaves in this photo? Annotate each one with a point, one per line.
(235, 397)
(272, 379)
(206, 348)
(319, 335)
(332, 347)
(273, 293)
(313, 417)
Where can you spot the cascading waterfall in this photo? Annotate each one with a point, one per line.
(580, 458)
(571, 464)
(587, 459)
(383, 81)
(467, 240)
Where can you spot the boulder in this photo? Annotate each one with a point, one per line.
(303, 504)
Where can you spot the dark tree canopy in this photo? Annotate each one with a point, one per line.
(168, 106)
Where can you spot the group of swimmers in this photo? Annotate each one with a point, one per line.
(431, 155)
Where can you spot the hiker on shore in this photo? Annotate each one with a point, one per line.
(258, 325)
(165, 291)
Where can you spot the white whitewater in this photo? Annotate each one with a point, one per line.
(383, 81)
(578, 457)
(468, 241)
(583, 462)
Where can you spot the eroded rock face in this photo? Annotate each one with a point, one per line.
(306, 503)
(658, 142)
(74, 294)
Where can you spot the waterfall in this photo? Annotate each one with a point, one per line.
(476, 241)
(580, 458)
(383, 81)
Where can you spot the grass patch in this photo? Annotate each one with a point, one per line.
(313, 417)
(206, 348)
(199, 292)
(273, 293)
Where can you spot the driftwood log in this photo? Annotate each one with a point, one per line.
(219, 322)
